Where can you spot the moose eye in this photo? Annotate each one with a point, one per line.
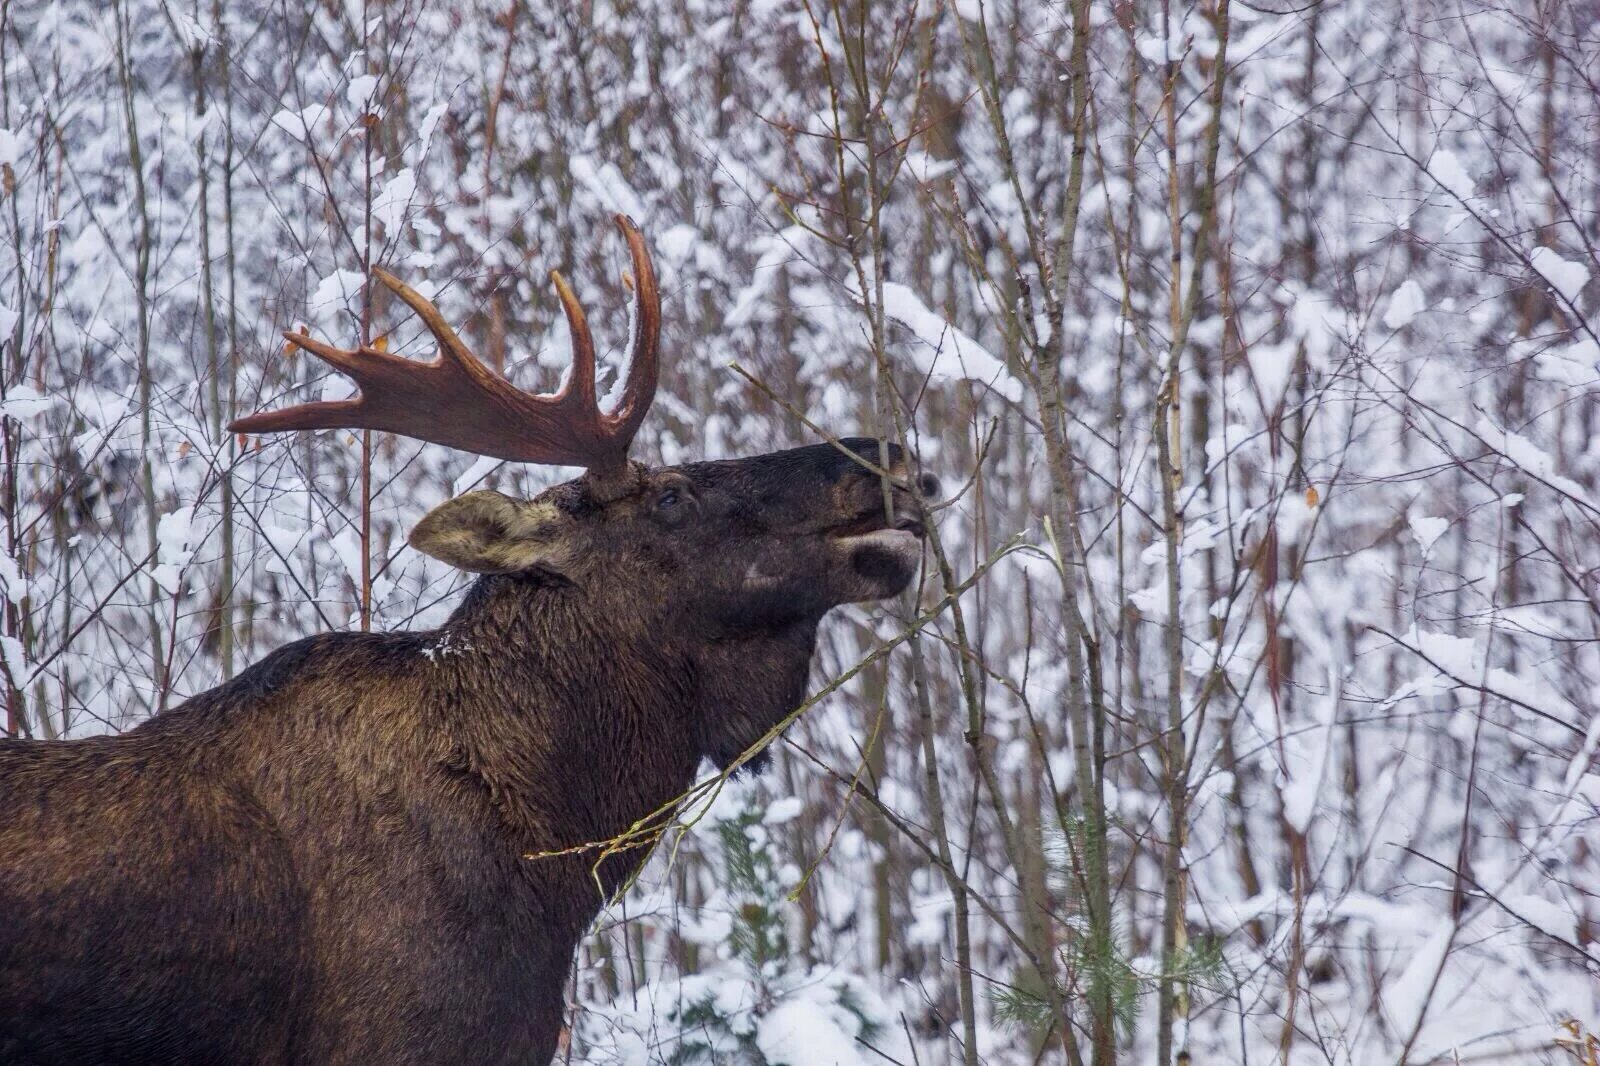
(675, 506)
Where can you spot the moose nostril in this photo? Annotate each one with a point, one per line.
(929, 485)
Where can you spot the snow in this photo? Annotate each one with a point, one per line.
(677, 244)
(806, 1033)
(12, 580)
(925, 168)
(481, 468)
(711, 929)
(1427, 530)
(430, 122)
(176, 540)
(1151, 601)
(930, 918)
(337, 387)
(1406, 999)
(1447, 170)
(394, 200)
(1160, 50)
(286, 544)
(785, 809)
(944, 352)
(1271, 365)
(334, 295)
(10, 148)
(15, 660)
(1579, 809)
(1553, 919)
(1575, 365)
(726, 802)
(346, 545)
(1565, 276)
(23, 401)
(1406, 303)
(606, 184)
(1317, 322)
(359, 92)
(302, 125)
(1308, 768)
(1192, 35)
(1460, 657)
(193, 34)
(1575, 774)
(1530, 457)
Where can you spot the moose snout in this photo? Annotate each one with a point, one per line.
(928, 485)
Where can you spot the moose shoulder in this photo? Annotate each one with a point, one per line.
(325, 859)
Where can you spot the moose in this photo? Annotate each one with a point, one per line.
(375, 847)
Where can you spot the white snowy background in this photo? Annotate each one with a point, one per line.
(1343, 761)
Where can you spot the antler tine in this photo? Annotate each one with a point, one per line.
(360, 365)
(338, 357)
(450, 346)
(323, 414)
(643, 367)
(457, 401)
(580, 386)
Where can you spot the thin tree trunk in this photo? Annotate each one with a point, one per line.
(141, 282)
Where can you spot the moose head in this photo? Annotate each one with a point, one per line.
(740, 558)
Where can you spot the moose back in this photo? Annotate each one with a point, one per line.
(325, 860)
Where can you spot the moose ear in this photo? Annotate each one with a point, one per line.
(491, 533)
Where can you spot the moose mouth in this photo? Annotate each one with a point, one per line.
(884, 554)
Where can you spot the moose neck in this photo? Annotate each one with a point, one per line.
(573, 739)
(578, 743)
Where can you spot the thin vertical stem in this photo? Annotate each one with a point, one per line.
(142, 246)
(1173, 992)
(368, 125)
(222, 612)
(225, 369)
(15, 700)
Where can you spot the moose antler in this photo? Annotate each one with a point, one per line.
(457, 401)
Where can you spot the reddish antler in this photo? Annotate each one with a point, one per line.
(457, 401)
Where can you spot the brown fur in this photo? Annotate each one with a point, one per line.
(322, 861)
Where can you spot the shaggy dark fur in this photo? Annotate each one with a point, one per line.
(322, 861)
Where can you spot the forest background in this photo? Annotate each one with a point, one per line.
(1252, 706)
